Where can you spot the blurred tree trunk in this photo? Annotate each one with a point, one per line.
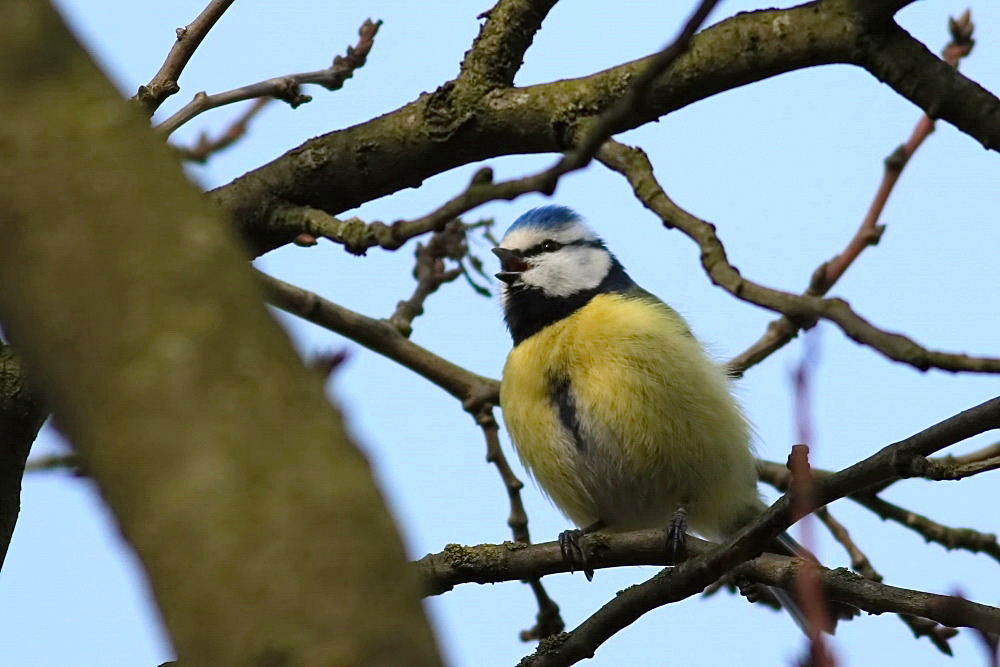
(262, 533)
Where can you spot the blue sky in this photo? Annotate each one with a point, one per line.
(785, 169)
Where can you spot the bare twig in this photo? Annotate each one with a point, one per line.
(782, 330)
(482, 189)
(808, 590)
(205, 147)
(932, 531)
(859, 560)
(471, 389)
(164, 82)
(958, 467)
(285, 88)
(430, 272)
(478, 395)
(548, 621)
(951, 538)
(635, 166)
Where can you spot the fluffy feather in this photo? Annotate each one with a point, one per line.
(613, 406)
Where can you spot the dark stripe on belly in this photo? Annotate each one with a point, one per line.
(562, 398)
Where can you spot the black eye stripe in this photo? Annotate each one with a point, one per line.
(546, 246)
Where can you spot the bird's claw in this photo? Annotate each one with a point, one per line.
(677, 535)
(573, 553)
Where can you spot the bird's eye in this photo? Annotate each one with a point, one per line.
(550, 246)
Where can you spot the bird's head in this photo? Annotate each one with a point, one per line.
(551, 250)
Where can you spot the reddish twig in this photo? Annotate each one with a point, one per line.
(164, 82)
(285, 88)
(779, 477)
(781, 331)
(809, 592)
(869, 232)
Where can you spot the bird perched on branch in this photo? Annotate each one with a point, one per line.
(613, 405)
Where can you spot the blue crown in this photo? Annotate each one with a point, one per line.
(546, 217)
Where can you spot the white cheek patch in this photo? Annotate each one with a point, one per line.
(567, 271)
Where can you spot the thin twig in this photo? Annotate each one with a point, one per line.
(778, 476)
(548, 621)
(810, 596)
(859, 560)
(164, 82)
(471, 389)
(285, 88)
(611, 120)
(358, 238)
(478, 395)
(205, 147)
(430, 272)
(932, 531)
(782, 330)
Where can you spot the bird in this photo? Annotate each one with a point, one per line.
(613, 405)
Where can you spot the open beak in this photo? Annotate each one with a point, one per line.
(512, 265)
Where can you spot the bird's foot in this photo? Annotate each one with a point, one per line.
(573, 552)
(677, 535)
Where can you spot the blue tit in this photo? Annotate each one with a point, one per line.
(613, 405)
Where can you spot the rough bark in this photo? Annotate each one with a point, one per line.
(257, 520)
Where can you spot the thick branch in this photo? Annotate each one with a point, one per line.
(494, 563)
(437, 132)
(694, 575)
(497, 52)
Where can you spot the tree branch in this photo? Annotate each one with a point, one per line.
(635, 166)
(921, 627)
(164, 82)
(782, 330)
(345, 168)
(204, 148)
(285, 88)
(497, 52)
(495, 563)
(695, 574)
(950, 538)
(472, 390)
(778, 476)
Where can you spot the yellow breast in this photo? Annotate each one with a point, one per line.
(656, 414)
